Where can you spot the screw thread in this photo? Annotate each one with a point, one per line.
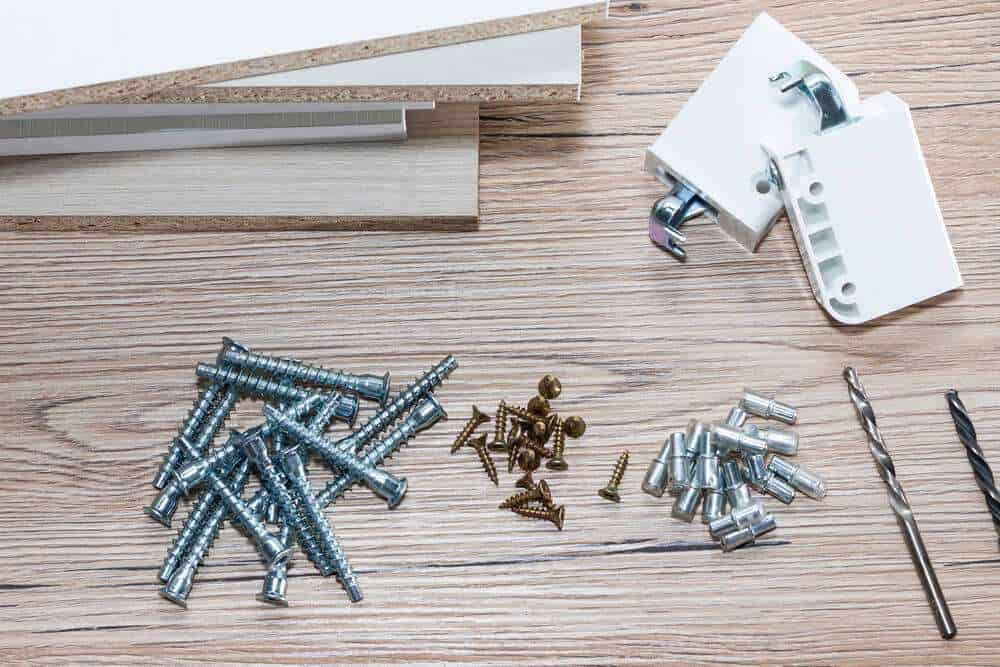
(484, 457)
(977, 459)
(619, 471)
(332, 552)
(513, 449)
(205, 537)
(520, 412)
(533, 512)
(174, 455)
(500, 423)
(558, 439)
(522, 498)
(406, 399)
(333, 456)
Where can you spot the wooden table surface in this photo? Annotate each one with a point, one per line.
(99, 336)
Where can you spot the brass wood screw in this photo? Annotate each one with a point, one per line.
(557, 462)
(610, 492)
(539, 405)
(475, 421)
(555, 514)
(528, 459)
(513, 449)
(526, 482)
(479, 444)
(549, 387)
(499, 443)
(539, 492)
(575, 427)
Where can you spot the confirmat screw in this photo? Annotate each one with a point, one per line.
(274, 588)
(369, 386)
(479, 444)
(768, 408)
(610, 492)
(475, 421)
(539, 492)
(555, 514)
(499, 443)
(549, 387)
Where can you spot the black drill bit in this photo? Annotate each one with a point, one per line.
(980, 468)
(900, 505)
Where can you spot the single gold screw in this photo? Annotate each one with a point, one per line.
(499, 443)
(610, 492)
(475, 421)
(528, 459)
(526, 482)
(557, 462)
(549, 387)
(479, 444)
(539, 406)
(539, 492)
(555, 514)
(575, 427)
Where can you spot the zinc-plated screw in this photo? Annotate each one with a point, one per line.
(388, 486)
(768, 408)
(424, 385)
(479, 444)
(554, 514)
(271, 548)
(475, 421)
(258, 385)
(549, 387)
(274, 588)
(557, 462)
(193, 473)
(295, 473)
(499, 443)
(165, 504)
(539, 492)
(369, 386)
(189, 428)
(425, 415)
(610, 492)
(178, 585)
(192, 524)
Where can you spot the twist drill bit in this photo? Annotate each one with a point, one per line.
(980, 468)
(900, 505)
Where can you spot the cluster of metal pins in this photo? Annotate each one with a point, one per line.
(522, 434)
(713, 467)
(301, 402)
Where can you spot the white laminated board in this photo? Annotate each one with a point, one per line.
(431, 181)
(70, 52)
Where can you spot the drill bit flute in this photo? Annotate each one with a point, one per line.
(980, 468)
(900, 505)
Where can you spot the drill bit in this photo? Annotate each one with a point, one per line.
(900, 505)
(980, 468)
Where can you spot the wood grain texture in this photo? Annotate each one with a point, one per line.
(429, 181)
(148, 88)
(99, 336)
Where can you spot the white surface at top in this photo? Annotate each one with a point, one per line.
(55, 44)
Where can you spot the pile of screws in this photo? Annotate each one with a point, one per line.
(711, 466)
(278, 450)
(523, 435)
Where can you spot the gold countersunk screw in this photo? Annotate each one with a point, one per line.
(610, 492)
(479, 444)
(549, 387)
(554, 514)
(557, 462)
(539, 492)
(475, 421)
(499, 443)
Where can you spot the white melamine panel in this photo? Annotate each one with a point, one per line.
(546, 57)
(57, 44)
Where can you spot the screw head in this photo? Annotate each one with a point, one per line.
(528, 460)
(544, 493)
(575, 427)
(557, 463)
(558, 516)
(549, 387)
(610, 493)
(539, 405)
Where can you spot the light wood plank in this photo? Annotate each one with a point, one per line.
(99, 336)
(429, 181)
